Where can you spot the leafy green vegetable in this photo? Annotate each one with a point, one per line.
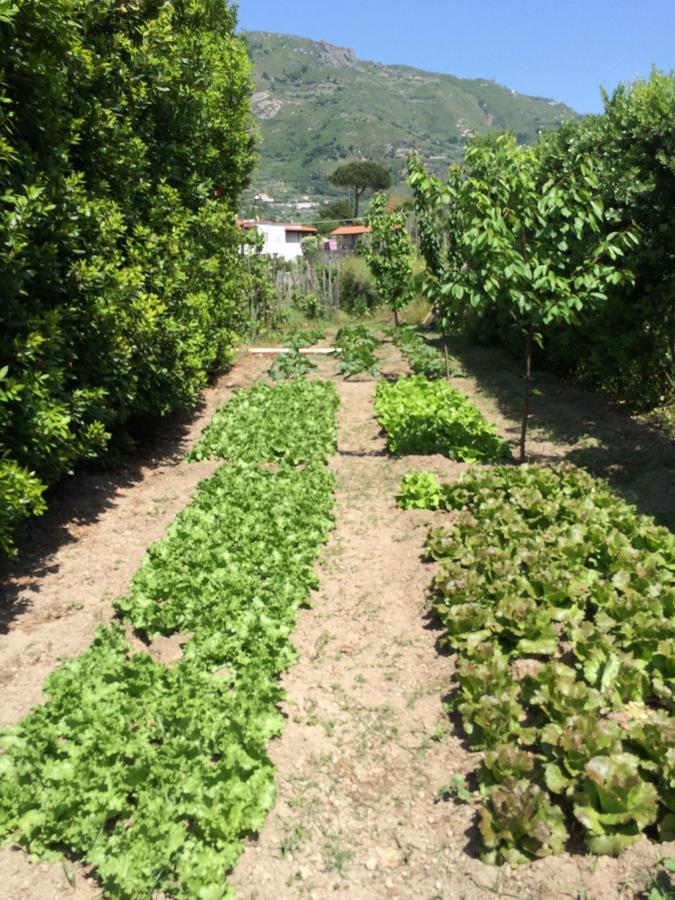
(291, 364)
(558, 598)
(422, 358)
(357, 345)
(519, 823)
(155, 774)
(419, 490)
(614, 803)
(292, 422)
(492, 717)
(425, 417)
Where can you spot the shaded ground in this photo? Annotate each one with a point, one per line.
(367, 743)
(572, 424)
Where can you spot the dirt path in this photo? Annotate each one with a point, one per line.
(367, 744)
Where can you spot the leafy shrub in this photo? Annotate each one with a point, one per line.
(124, 145)
(559, 598)
(357, 290)
(421, 416)
(20, 496)
(293, 422)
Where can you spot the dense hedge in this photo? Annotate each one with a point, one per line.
(626, 345)
(124, 144)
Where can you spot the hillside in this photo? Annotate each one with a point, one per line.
(317, 104)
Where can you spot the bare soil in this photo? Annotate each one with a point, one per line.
(367, 744)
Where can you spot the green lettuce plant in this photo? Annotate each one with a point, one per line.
(425, 417)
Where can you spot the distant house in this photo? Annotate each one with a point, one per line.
(282, 239)
(347, 235)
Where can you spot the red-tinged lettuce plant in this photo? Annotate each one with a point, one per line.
(557, 693)
(488, 700)
(618, 676)
(614, 803)
(662, 671)
(651, 734)
(507, 761)
(571, 744)
(519, 823)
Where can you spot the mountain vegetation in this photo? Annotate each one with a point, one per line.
(317, 105)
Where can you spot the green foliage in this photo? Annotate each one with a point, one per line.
(124, 144)
(421, 357)
(559, 599)
(419, 490)
(292, 364)
(501, 233)
(621, 338)
(20, 496)
(626, 347)
(356, 344)
(426, 417)
(390, 254)
(292, 422)
(360, 176)
(154, 774)
(357, 289)
(370, 111)
(334, 214)
(519, 823)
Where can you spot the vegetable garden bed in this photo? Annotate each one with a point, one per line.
(559, 600)
(154, 775)
(425, 417)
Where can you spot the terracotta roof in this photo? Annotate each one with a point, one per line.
(352, 229)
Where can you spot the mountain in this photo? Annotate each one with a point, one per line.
(318, 105)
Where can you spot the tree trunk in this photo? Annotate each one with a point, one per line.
(395, 317)
(526, 403)
(358, 193)
(447, 361)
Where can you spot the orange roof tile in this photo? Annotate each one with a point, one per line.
(352, 229)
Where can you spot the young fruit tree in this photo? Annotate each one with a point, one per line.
(390, 254)
(502, 233)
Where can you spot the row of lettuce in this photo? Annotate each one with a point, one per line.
(558, 599)
(125, 141)
(154, 774)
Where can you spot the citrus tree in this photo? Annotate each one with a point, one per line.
(125, 142)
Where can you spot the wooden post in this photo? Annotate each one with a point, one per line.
(447, 361)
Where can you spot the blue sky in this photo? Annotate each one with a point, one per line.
(563, 49)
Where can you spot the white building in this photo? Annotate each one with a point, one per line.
(282, 239)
